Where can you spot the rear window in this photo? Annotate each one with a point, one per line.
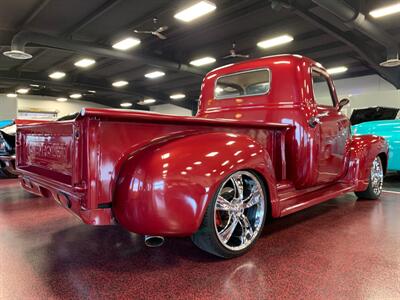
(247, 83)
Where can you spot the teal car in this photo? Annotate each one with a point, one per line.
(389, 128)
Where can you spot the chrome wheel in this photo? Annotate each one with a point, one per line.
(239, 210)
(377, 176)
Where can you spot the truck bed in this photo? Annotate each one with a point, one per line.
(77, 162)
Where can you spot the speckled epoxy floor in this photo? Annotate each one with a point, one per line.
(341, 249)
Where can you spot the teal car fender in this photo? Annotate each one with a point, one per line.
(390, 130)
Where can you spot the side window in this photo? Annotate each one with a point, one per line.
(247, 83)
(321, 89)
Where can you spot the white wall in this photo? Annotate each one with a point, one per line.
(366, 91)
(171, 110)
(41, 103)
(8, 107)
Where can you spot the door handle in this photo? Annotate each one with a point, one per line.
(314, 121)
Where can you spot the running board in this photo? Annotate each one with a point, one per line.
(317, 196)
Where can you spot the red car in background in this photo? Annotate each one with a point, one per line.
(263, 143)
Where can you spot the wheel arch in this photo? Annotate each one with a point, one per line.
(169, 196)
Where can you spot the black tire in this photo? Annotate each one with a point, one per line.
(372, 193)
(206, 237)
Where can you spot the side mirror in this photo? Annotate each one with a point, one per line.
(343, 102)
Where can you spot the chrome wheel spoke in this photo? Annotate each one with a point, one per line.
(223, 204)
(252, 200)
(247, 230)
(238, 183)
(227, 232)
(377, 176)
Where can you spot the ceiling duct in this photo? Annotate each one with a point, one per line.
(21, 39)
(355, 20)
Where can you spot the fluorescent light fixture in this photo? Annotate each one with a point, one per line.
(75, 96)
(154, 74)
(202, 61)
(34, 85)
(92, 91)
(84, 62)
(279, 40)
(126, 104)
(385, 11)
(23, 91)
(120, 83)
(11, 95)
(195, 11)
(149, 101)
(177, 96)
(57, 75)
(126, 43)
(337, 70)
(62, 99)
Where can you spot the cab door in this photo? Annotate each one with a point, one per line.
(333, 130)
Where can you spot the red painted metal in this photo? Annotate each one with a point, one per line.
(155, 174)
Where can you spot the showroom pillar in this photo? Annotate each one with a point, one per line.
(8, 107)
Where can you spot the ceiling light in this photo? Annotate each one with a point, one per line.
(195, 11)
(84, 62)
(34, 85)
(11, 95)
(62, 99)
(279, 40)
(23, 91)
(337, 70)
(177, 96)
(120, 83)
(16, 54)
(92, 91)
(126, 104)
(75, 96)
(154, 74)
(202, 61)
(147, 101)
(57, 75)
(385, 11)
(126, 44)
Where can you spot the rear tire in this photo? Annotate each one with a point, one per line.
(375, 183)
(235, 217)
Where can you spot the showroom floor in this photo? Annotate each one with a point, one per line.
(339, 249)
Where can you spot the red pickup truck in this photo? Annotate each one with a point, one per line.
(266, 142)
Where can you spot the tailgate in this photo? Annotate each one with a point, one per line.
(50, 150)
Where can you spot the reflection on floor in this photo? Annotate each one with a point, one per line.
(340, 249)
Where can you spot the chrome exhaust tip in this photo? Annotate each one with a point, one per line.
(153, 241)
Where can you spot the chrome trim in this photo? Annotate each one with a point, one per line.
(377, 176)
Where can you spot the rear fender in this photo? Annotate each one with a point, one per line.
(165, 189)
(364, 149)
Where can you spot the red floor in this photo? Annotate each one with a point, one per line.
(340, 249)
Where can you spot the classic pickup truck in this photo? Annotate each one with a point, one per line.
(265, 143)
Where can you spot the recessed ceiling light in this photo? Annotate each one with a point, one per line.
(126, 43)
(62, 99)
(120, 83)
(92, 91)
(154, 74)
(57, 75)
(126, 104)
(385, 11)
(34, 85)
(147, 101)
(84, 62)
(11, 95)
(177, 96)
(23, 91)
(203, 61)
(337, 70)
(75, 96)
(279, 40)
(195, 11)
